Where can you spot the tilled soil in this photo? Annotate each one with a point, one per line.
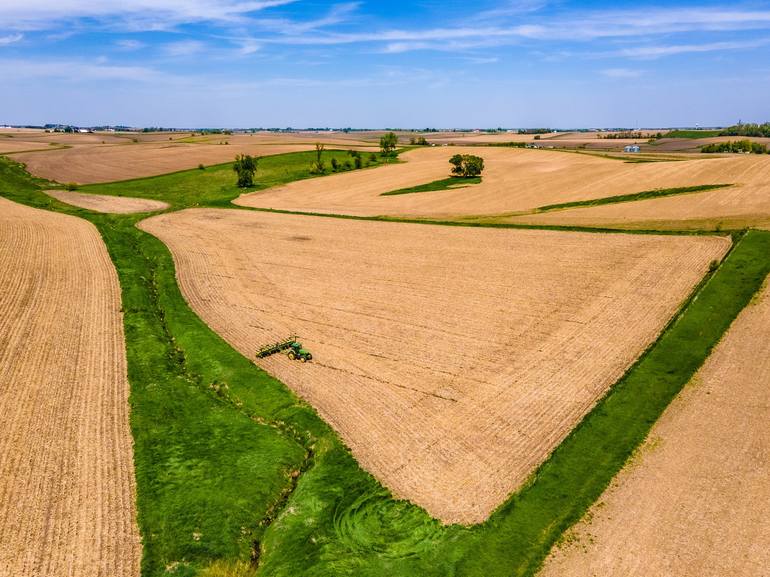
(746, 204)
(518, 180)
(67, 488)
(106, 203)
(451, 361)
(696, 501)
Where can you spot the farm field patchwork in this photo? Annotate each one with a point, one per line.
(517, 181)
(66, 464)
(89, 164)
(745, 204)
(696, 499)
(450, 378)
(107, 204)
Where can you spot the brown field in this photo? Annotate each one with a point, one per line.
(66, 466)
(746, 204)
(696, 500)
(107, 204)
(451, 361)
(522, 180)
(105, 157)
(10, 146)
(90, 164)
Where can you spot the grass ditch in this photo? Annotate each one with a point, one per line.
(636, 196)
(226, 452)
(450, 183)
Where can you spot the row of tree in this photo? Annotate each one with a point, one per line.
(739, 146)
(750, 129)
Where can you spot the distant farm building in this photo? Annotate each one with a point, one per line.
(632, 148)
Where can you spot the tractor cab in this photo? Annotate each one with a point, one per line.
(297, 352)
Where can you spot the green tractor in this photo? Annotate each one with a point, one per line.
(292, 344)
(297, 352)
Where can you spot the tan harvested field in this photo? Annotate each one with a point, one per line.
(746, 204)
(696, 500)
(522, 180)
(10, 146)
(694, 144)
(106, 203)
(451, 361)
(105, 157)
(66, 467)
(90, 164)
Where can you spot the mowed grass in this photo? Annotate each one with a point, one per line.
(233, 470)
(443, 184)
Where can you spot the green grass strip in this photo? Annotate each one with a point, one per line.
(526, 527)
(218, 443)
(443, 184)
(646, 195)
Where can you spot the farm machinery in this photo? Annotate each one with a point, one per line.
(296, 352)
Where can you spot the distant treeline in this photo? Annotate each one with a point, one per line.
(742, 146)
(628, 135)
(509, 144)
(756, 130)
(535, 131)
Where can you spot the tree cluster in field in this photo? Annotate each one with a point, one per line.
(509, 144)
(466, 165)
(245, 166)
(739, 146)
(420, 141)
(756, 130)
(356, 161)
(535, 131)
(388, 144)
(628, 134)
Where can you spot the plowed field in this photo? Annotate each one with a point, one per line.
(746, 204)
(696, 502)
(522, 180)
(107, 204)
(451, 361)
(66, 466)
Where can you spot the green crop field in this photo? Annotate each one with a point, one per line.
(237, 476)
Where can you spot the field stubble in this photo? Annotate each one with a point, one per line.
(450, 373)
(696, 500)
(66, 470)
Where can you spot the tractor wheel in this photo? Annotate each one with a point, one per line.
(303, 359)
(292, 356)
(309, 357)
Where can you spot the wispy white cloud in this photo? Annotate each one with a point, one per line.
(184, 48)
(136, 14)
(129, 44)
(658, 51)
(512, 8)
(621, 73)
(75, 70)
(10, 39)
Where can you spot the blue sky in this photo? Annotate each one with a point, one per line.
(430, 63)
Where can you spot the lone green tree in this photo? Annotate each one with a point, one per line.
(466, 165)
(318, 166)
(388, 143)
(245, 166)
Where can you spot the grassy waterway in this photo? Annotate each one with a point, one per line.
(237, 476)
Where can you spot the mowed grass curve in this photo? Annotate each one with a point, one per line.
(233, 469)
